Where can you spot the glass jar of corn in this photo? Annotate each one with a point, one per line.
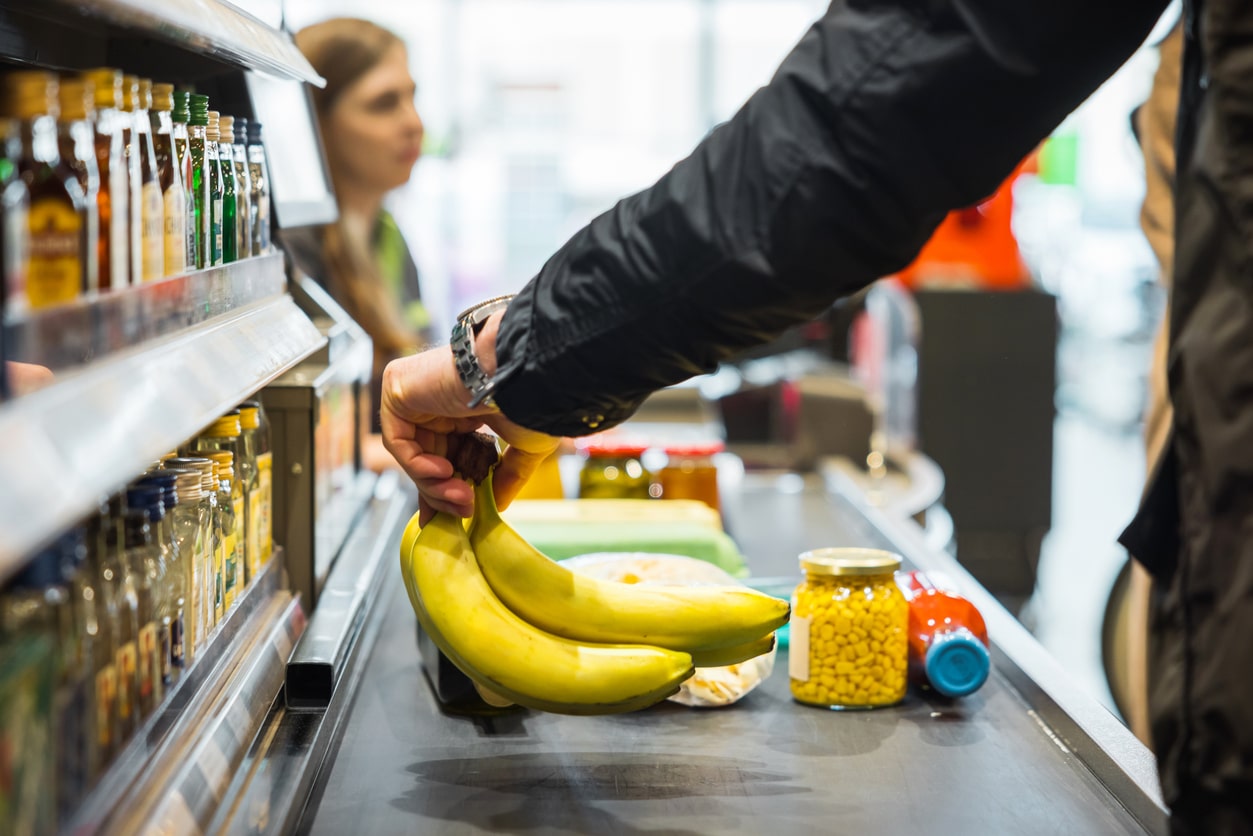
(848, 645)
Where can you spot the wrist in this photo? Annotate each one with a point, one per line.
(485, 343)
(473, 347)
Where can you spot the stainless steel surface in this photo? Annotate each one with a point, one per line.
(1009, 759)
(209, 27)
(66, 446)
(317, 663)
(162, 741)
(278, 776)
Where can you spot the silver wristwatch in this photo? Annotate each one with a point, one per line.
(469, 323)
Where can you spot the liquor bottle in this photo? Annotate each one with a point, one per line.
(76, 143)
(113, 198)
(171, 596)
(143, 560)
(152, 194)
(121, 602)
(198, 145)
(217, 189)
(224, 435)
(14, 229)
(243, 190)
(76, 735)
(181, 116)
(256, 428)
(230, 201)
(259, 203)
(170, 175)
(98, 611)
(187, 530)
(948, 640)
(134, 180)
(58, 219)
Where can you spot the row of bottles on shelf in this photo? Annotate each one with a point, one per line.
(96, 628)
(108, 180)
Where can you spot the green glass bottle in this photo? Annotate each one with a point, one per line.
(230, 198)
(198, 147)
(217, 190)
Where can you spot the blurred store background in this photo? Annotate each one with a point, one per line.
(539, 114)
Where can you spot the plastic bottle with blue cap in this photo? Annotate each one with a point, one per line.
(948, 639)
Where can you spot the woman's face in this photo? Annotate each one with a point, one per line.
(373, 131)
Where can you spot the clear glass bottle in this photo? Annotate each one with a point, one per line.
(76, 143)
(230, 513)
(259, 176)
(171, 597)
(848, 645)
(250, 481)
(173, 191)
(57, 221)
(98, 612)
(113, 199)
(152, 207)
(135, 180)
(256, 428)
(230, 200)
(180, 116)
(121, 598)
(226, 434)
(217, 190)
(243, 190)
(14, 227)
(188, 527)
(202, 579)
(198, 148)
(144, 560)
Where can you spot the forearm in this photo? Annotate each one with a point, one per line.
(880, 121)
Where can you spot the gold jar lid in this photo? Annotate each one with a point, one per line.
(850, 561)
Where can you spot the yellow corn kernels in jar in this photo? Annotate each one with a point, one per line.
(848, 635)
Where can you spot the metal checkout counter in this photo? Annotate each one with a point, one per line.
(311, 712)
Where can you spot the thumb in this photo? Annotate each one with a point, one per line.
(515, 468)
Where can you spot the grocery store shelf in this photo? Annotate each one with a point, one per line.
(70, 335)
(209, 27)
(67, 446)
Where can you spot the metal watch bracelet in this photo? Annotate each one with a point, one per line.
(471, 373)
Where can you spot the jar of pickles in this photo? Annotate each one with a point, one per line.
(848, 643)
(612, 470)
(690, 473)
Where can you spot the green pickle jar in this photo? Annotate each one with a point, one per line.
(612, 470)
(848, 635)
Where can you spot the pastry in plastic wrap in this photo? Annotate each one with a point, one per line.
(709, 687)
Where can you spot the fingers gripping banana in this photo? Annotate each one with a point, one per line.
(516, 660)
(550, 596)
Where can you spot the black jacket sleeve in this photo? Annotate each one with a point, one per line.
(886, 115)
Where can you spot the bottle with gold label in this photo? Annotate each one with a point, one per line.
(224, 435)
(217, 190)
(231, 512)
(135, 180)
(76, 143)
(14, 222)
(198, 148)
(256, 428)
(152, 195)
(250, 478)
(58, 218)
(113, 199)
(259, 200)
(230, 202)
(181, 116)
(243, 190)
(171, 179)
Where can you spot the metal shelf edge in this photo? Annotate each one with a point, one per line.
(65, 447)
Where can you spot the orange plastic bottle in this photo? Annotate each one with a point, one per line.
(948, 639)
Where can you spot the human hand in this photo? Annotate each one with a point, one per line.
(423, 415)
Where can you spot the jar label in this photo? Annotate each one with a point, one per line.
(798, 648)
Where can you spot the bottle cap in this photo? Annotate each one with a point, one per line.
(180, 107)
(167, 482)
(226, 128)
(198, 109)
(77, 99)
(254, 132)
(188, 485)
(30, 94)
(106, 87)
(130, 93)
(225, 461)
(957, 663)
(163, 97)
(228, 426)
(849, 561)
(696, 449)
(213, 126)
(144, 102)
(241, 130)
(43, 570)
(248, 418)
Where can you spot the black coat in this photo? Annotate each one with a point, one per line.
(888, 114)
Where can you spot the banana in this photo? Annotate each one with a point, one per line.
(514, 659)
(565, 603)
(724, 656)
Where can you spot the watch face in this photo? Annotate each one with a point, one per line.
(478, 313)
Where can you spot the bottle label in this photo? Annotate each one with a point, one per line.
(265, 488)
(254, 531)
(153, 209)
(215, 233)
(56, 259)
(149, 661)
(119, 217)
(175, 230)
(798, 648)
(226, 575)
(106, 693)
(126, 670)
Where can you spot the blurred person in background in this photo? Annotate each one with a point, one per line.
(373, 137)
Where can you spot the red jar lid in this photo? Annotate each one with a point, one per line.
(695, 449)
(610, 447)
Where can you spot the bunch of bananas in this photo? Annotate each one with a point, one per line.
(531, 631)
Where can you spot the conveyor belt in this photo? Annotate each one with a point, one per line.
(985, 765)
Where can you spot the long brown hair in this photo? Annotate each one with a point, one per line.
(342, 50)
